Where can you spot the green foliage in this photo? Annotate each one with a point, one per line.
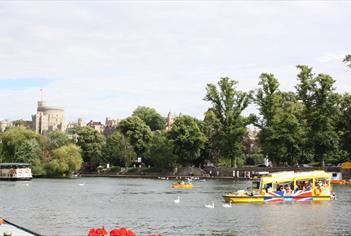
(227, 124)
(151, 118)
(115, 169)
(161, 151)
(254, 159)
(187, 139)
(118, 150)
(137, 132)
(320, 113)
(65, 160)
(91, 144)
(281, 133)
(347, 60)
(31, 152)
(20, 144)
(58, 139)
(13, 138)
(344, 126)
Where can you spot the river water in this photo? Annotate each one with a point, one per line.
(72, 206)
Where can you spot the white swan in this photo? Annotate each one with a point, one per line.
(226, 205)
(209, 205)
(82, 184)
(177, 200)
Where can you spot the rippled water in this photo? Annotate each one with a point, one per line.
(72, 206)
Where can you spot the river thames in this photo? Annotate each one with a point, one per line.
(72, 206)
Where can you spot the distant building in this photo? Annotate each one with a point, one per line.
(47, 119)
(250, 140)
(72, 124)
(110, 126)
(98, 126)
(4, 124)
(170, 121)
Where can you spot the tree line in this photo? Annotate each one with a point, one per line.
(311, 124)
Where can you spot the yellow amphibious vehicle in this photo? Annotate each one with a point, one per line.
(285, 186)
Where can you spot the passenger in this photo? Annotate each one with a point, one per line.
(309, 186)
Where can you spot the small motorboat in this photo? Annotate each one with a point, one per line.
(182, 184)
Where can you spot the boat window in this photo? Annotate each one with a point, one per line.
(268, 187)
(286, 187)
(255, 185)
(304, 184)
(321, 182)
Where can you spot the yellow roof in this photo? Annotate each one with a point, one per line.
(346, 165)
(290, 175)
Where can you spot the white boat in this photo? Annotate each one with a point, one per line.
(15, 171)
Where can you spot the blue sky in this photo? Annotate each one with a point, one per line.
(99, 59)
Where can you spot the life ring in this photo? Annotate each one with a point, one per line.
(317, 191)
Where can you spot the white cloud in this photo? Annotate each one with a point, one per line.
(106, 58)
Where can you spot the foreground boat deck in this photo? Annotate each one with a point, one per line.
(15, 230)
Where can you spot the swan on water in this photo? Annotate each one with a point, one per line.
(177, 200)
(209, 205)
(227, 205)
(82, 184)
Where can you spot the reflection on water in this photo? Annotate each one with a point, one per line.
(68, 207)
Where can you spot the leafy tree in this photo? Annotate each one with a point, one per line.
(228, 103)
(150, 116)
(212, 130)
(65, 160)
(31, 152)
(344, 127)
(347, 60)
(91, 143)
(118, 150)
(281, 133)
(58, 139)
(13, 138)
(161, 151)
(320, 112)
(137, 132)
(187, 139)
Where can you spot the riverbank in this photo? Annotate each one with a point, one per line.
(242, 173)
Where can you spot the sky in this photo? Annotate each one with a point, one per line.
(106, 58)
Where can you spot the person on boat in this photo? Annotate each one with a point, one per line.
(287, 189)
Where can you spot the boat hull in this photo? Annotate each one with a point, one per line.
(182, 185)
(298, 196)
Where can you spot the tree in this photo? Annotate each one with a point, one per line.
(58, 139)
(161, 151)
(91, 143)
(347, 60)
(118, 150)
(212, 130)
(151, 118)
(65, 160)
(320, 113)
(31, 152)
(344, 127)
(281, 134)
(137, 132)
(187, 139)
(228, 103)
(13, 138)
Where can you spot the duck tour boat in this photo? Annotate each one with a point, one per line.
(285, 186)
(15, 171)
